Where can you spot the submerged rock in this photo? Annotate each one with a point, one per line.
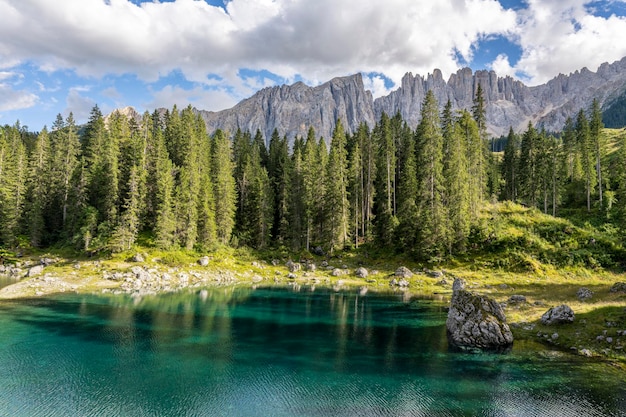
(558, 315)
(476, 321)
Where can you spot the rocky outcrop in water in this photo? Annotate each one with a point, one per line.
(476, 321)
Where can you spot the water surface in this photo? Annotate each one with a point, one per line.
(275, 352)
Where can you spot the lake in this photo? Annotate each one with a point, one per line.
(276, 352)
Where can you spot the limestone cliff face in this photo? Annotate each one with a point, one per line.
(509, 103)
(293, 109)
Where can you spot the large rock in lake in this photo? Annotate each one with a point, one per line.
(476, 321)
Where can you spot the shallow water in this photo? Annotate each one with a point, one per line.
(274, 352)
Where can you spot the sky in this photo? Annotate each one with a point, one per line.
(58, 57)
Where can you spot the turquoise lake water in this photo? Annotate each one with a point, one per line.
(276, 352)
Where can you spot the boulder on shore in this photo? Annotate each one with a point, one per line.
(361, 272)
(558, 315)
(476, 321)
(403, 272)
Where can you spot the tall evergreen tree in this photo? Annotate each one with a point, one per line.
(386, 221)
(39, 179)
(528, 166)
(586, 149)
(510, 164)
(336, 196)
(224, 191)
(433, 227)
(456, 183)
(599, 145)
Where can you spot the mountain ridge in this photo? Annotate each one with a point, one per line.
(292, 109)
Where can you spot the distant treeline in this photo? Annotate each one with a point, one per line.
(417, 191)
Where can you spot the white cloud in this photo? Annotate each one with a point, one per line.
(375, 84)
(562, 37)
(315, 40)
(198, 97)
(312, 39)
(502, 66)
(11, 99)
(80, 106)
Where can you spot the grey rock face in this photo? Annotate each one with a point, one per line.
(476, 321)
(204, 261)
(293, 109)
(509, 102)
(558, 315)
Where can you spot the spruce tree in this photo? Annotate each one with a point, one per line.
(586, 149)
(336, 196)
(599, 145)
(39, 179)
(456, 184)
(386, 221)
(224, 191)
(433, 228)
(509, 166)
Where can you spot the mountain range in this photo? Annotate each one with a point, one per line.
(292, 109)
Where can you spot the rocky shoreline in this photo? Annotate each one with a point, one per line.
(137, 276)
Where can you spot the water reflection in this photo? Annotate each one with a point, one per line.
(237, 351)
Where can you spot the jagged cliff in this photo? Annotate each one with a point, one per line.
(293, 109)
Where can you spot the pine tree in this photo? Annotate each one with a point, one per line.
(528, 167)
(39, 179)
(456, 184)
(408, 198)
(433, 227)
(471, 137)
(311, 190)
(509, 166)
(66, 153)
(279, 170)
(336, 196)
(13, 174)
(386, 221)
(599, 144)
(586, 149)
(223, 186)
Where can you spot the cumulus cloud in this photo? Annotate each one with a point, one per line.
(11, 99)
(311, 40)
(198, 97)
(562, 37)
(80, 106)
(316, 40)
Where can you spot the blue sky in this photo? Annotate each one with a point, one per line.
(66, 56)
